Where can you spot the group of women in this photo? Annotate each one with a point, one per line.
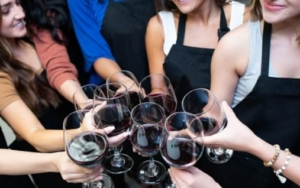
(46, 45)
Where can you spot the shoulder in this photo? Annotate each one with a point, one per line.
(155, 25)
(234, 47)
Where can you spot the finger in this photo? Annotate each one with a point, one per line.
(83, 177)
(106, 130)
(176, 179)
(117, 139)
(227, 109)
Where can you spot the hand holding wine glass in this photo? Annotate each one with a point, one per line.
(86, 149)
(130, 82)
(207, 108)
(83, 97)
(192, 177)
(158, 89)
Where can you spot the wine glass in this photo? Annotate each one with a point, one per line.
(86, 148)
(112, 108)
(129, 80)
(178, 146)
(83, 97)
(148, 121)
(157, 88)
(205, 105)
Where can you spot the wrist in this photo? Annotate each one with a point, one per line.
(261, 149)
(53, 162)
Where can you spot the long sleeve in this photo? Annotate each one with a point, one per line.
(86, 18)
(54, 58)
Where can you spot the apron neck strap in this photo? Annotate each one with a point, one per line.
(266, 49)
(182, 23)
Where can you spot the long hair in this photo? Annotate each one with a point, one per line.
(255, 10)
(34, 90)
(168, 5)
(50, 15)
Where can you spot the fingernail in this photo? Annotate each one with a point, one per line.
(111, 128)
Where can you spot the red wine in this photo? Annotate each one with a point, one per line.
(115, 115)
(181, 152)
(135, 97)
(166, 101)
(87, 149)
(146, 139)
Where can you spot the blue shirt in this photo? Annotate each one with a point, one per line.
(87, 17)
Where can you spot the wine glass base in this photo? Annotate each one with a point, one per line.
(106, 182)
(151, 178)
(219, 155)
(166, 182)
(120, 169)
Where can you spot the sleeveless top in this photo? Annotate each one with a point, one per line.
(170, 31)
(247, 82)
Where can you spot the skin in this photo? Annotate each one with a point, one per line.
(200, 14)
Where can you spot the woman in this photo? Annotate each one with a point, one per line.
(181, 39)
(236, 136)
(56, 45)
(261, 83)
(24, 91)
(111, 35)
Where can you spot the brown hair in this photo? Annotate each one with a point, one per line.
(33, 89)
(255, 10)
(168, 5)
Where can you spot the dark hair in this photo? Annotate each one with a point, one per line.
(255, 10)
(168, 5)
(34, 90)
(50, 15)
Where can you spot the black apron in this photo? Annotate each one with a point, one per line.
(189, 67)
(51, 118)
(270, 111)
(124, 28)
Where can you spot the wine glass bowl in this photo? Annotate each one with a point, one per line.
(157, 88)
(83, 97)
(202, 103)
(148, 120)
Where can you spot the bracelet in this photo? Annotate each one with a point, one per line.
(276, 155)
(284, 166)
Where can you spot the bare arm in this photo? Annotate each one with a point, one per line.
(154, 46)
(29, 128)
(229, 61)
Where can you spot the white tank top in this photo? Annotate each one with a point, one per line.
(247, 82)
(170, 32)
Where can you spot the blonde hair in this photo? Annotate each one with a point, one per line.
(255, 10)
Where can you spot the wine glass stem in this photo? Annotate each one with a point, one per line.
(152, 169)
(117, 161)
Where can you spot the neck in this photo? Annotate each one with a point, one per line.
(15, 46)
(207, 11)
(289, 29)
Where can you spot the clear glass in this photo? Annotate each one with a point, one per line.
(87, 148)
(178, 146)
(112, 108)
(148, 121)
(157, 88)
(205, 105)
(129, 80)
(83, 97)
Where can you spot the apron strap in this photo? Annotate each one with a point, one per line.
(223, 25)
(266, 49)
(181, 29)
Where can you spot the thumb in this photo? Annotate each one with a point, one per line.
(106, 130)
(227, 109)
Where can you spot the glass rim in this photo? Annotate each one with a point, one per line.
(186, 113)
(210, 107)
(152, 103)
(151, 75)
(132, 77)
(114, 97)
(71, 114)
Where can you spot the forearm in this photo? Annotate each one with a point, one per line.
(18, 163)
(265, 152)
(68, 88)
(106, 67)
